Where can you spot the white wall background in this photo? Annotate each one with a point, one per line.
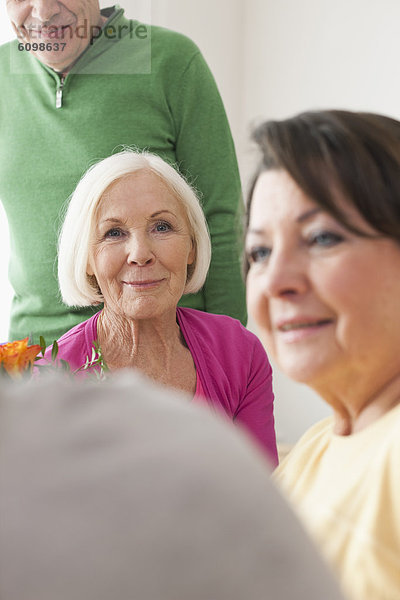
(271, 59)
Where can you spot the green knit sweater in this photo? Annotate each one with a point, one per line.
(166, 102)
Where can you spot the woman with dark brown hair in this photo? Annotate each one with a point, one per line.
(323, 252)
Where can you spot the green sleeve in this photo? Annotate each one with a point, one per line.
(206, 155)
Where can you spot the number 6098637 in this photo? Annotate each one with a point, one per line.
(48, 47)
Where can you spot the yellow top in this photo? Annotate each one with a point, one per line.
(347, 491)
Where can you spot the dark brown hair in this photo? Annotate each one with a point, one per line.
(334, 152)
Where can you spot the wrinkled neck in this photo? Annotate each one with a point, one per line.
(130, 342)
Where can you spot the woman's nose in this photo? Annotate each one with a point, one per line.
(139, 250)
(284, 274)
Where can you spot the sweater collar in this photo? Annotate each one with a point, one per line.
(101, 43)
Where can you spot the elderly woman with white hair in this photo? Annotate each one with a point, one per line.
(135, 239)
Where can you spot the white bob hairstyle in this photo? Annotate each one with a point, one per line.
(76, 286)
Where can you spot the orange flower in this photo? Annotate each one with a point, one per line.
(17, 357)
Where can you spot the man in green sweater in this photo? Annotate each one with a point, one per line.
(77, 85)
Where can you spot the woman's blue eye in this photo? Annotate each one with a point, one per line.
(113, 233)
(259, 254)
(325, 239)
(163, 226)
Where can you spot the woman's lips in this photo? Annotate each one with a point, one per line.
(143, 285)
(300, 329)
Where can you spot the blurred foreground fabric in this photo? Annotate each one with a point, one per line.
(122, 491)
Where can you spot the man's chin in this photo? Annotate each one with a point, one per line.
(58, 60)
(47, 58)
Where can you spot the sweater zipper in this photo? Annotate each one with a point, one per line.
(59, 93)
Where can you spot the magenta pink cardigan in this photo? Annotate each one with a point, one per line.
(233, 370)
